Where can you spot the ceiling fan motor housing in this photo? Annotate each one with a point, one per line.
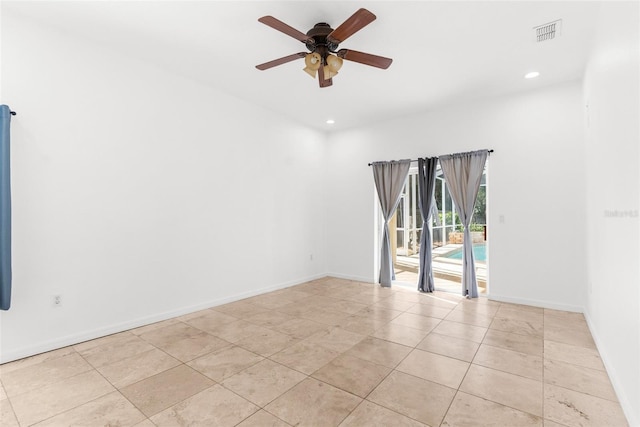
(319, 34)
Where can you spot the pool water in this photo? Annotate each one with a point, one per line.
(479, 253)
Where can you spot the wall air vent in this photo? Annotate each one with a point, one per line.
(550, 31)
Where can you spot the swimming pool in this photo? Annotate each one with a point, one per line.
(479, 253)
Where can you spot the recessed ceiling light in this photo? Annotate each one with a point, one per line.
(330, 121)
(531, 75)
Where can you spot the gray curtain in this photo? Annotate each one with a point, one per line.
(389, 178)
(5, 209)
(463, 172)
(426, 187)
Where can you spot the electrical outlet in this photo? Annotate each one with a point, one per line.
(57, 300)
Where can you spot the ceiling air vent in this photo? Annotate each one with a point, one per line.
(548, 31)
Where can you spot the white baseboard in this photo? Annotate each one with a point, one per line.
(536, 303)
(350, 277)
(627, 407)
(73, 339)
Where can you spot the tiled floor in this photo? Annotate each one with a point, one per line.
(328, 352)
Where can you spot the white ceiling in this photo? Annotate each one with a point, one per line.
(443, 52)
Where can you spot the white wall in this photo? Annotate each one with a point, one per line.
(138, 195)
(536, 180)
(612, 92)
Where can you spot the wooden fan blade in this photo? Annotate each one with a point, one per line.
(321, 79)
(280, 61)
(355, 23)
(276, 24)
(365, 58)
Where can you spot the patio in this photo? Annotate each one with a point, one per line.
(447, 272)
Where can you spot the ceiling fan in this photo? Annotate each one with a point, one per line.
(322, 41)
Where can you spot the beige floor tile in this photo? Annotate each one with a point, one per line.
(194, 346)
(160, 337)
(436, 299)
(215, 406)
(239, 309)
(380, 352)
(111, 340)
(471, 411)
(525, 365)
(7, 416)
(548, 423)
(521, 327)
(326, 317)
(510, 390)
(133, 369)
(263, 382)
(236, 331)
(578, 409)
(521, 307)
(395, 304)
(300, 328)
(521, 343)
(53, 399)
(352, 374)
(416, 321)
(161, 391)
(336, 339)
(448, 346)
(400, 334)
(305, 357)
(269, 318)
(44, 373)
(519, 313)
(578, 378)
(580, 338)
(361, 324)
(434, 367)
(429, 310)
(581, 356)
(268, 342)
(5, 368)
(263, 419)
(475, 305)
(461, 330)
(114, 350)
(145, 423)
(147, 328)
(212, 320)
(3, 394)
(578, 324)
(269, 301)
(109, 410)
(565, 315)
(313, 403)
(414, 397)
(370, 414)
(470, 318)
(225, 363)
(345, 306)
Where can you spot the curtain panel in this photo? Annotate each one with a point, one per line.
(463, 173)
(426, 197)
(5, 209)
(389, 178)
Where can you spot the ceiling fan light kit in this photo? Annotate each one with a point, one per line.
(322, 41)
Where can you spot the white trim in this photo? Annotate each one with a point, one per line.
(627, 407)
(350, 277)
(142, 321)
(536, 303)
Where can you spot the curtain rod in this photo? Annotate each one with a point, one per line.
(13, 113)
(415, 160)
